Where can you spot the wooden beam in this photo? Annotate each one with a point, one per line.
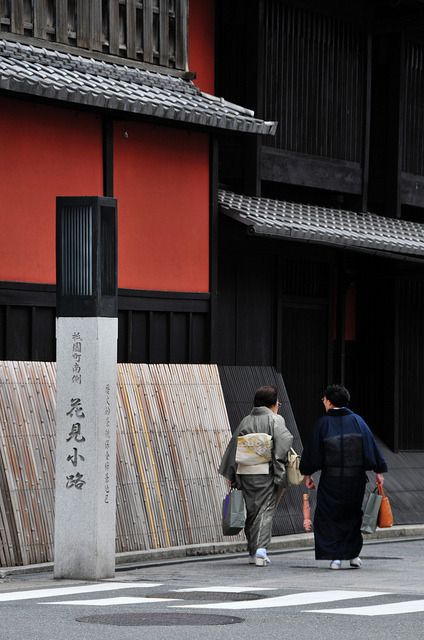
(311, 171)
(412, 190)
(398, 24)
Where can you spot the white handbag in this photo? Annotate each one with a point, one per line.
(292, 468)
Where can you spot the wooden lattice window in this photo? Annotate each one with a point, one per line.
(151, 31)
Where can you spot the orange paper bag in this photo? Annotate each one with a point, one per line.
(385, 516)
(307, 523)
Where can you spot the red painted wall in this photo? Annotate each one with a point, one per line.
(202, 43)
(45, 152)
(161, 180)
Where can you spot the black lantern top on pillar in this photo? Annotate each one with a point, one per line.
(86, 257)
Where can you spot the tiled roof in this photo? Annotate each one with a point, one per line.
(86, 81)
(345, 229)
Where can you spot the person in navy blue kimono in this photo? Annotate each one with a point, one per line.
(342, 446)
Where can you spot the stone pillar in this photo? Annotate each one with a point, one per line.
(85, 448)
(86, 335)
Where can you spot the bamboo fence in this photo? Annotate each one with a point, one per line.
(172, 429)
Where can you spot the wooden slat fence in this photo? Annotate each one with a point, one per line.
(172, 431)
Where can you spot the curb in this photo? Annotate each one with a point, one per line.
(210, 551)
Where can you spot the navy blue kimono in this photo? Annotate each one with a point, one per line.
(343, 448)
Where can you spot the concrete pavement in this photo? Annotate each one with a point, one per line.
(210, 551)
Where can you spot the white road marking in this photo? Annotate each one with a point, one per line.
(287, 601)
(390, 609)
(69, 591)
(225, 589)
(107, 602)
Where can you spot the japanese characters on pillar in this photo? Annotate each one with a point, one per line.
(107, 444)
(76, 417)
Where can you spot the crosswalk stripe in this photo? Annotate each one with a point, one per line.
(108, 602)
(224, 589)
(69, 591)
(287, 601)
(390, 609)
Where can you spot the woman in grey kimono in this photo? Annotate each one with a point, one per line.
(254, 460)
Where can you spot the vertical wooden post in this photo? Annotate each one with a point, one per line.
(40, 19)
(107, 132)
(131, 28)
(163, 33)
(96, 26)
(17, 16)
(62, 21)
(213, 245)
(147, 31)
(114, 27)
(83, 23)
(181, 34)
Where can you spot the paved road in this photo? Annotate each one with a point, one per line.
(294, 598)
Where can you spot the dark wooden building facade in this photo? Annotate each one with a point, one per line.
(344, 80)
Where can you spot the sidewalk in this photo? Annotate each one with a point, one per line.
(213, 551)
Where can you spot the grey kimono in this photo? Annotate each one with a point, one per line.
(259, 489)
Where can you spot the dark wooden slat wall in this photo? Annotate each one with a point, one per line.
(413, 134)
(152, 31)
(152, 328)
(315, 78)
(410, 320)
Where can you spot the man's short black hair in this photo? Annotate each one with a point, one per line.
(338, 395)
(266, 396)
